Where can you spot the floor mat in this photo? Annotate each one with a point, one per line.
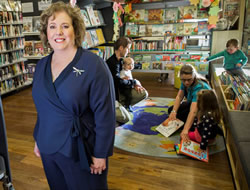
(139, 134)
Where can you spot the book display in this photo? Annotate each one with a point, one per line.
(13, 74)
(171, 36)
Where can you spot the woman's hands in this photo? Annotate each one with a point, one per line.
(36, 150)
(172, 116)
(99, 164)
(184, 135)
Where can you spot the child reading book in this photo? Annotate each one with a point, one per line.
(205, 126)
(127, 67)
(234, 58)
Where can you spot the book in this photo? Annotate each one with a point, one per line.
(88, 39)
(99, 13)
(36, 24)
(142, 30)
(190, 12)
(155, 15)
(171, 14)
(148, 30)
(192, 149)
(131, 30)
(85, 18)
(167, 128)
(158, 30)
(28, 48)
(98, 22)
(94, 37)
(100, 36)
(38, 48)
(91, 15)
(136, 15)
(27, 24)
(202, 27)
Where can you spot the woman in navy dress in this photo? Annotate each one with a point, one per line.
(74, 96)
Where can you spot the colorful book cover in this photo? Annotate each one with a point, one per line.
(38, 48)
(91, 15)
(167, 127)
(179, 29)
(168, 29)
(157, 65)
(36, 23)
(27, 24)
(28, 48)
(190, 28)
(193, 150)
(158, 30)
(190, 12)
(131, 30)
(142, 30)
(146, 66)
(100, 36)
(155, 15)
(88, 39)
(97, 17)
(202, 27)
(99, 13)
(149, 30)
(85, 18)
(136, 15)
(171, 14)
(94, 37)
(181, 12)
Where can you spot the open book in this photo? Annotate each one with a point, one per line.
(193, 150)
(167, 128)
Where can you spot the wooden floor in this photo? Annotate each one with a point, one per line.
(128, 171)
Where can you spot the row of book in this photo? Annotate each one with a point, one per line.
(35, 48)
(103, 51)
(168, 65)
(175, 43)
(31, 24)
(170, 57)
(10, 17)
(11, 6)
(93, 38)
(10, 30)
(12, 70)
(179, 29)
(92, 17)
(11, 84)
(237, 90)
(10, 57)
(165, 15)
(11, 44)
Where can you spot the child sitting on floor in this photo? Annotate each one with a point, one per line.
(205, 126)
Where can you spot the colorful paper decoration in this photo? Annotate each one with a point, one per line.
(118, 10)
(212, 19)
(213, 11)
(194, 2)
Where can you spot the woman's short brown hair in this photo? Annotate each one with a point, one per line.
(73, 12)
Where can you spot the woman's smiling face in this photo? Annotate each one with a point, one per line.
(60, 31)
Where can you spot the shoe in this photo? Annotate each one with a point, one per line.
(129, 108)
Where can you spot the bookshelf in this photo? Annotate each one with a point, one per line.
(168, 35)
(13, 73)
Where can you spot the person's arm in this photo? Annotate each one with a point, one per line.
(244, 59)
(189, 122)
(176, 106)
(220, 54)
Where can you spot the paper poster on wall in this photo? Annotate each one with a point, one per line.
(44, 4)
(27, 7)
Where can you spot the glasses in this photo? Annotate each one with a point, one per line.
(187, 80)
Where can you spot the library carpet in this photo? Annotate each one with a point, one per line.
(139, 134)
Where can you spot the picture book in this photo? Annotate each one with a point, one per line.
(100, 36)
(85, 18)
(98, 22)
(28, 48)
(99, 14)
(171, 14)
(38, 48)
(136, 15)
(181, 12)
(190, 28)
(148, 30)
(202, 27)
(131, 30)
(91, 15)
(142, 30)
(168, 29)
(146, 66)
(36, 23)
(157, 65)
(179, 29)
(193, 150)
(190, 12)
(27, 24)
(155, 15)
(88, 39)
(94, 37)
(158, 30)
(167, 128)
